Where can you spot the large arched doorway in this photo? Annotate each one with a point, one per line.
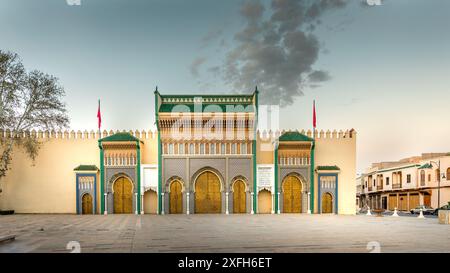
(292, 195)
(150, 202)
(239, 198)
(176, 198)
(264, 201)
(123, 195)
(208, 197)
(327, 203)
(86, 204)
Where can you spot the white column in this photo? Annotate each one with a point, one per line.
(273, 203)
(142, 203)
(187, 203)
(106, 204)
(136, 197)
(278, 211)
(252, 212)
(227, 211)
(309, 203)
(162, 203)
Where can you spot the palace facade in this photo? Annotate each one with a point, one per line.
(206, 156)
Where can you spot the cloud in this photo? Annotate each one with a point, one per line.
(212, 35)
(277, 52)
(195, 65)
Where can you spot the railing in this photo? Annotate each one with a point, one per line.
(370, 188)
(397, 186)
(380, 187)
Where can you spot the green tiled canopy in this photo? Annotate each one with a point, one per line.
(92, 168)
(328, 168)
(120, 137)
(294, 136)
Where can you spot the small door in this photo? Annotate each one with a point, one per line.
(176, 198)
(327, 203)
(414, 200)
(208, 197)
(384, 202)
(123, 196)
(393, 202)
(86, 204)
(239, 198)
(264, 201)
(427, 199)
(403, 202)
(150, 202)
(292, 199)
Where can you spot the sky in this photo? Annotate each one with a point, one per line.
(383, 70)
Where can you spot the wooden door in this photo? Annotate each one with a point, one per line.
(427, 199)
(327, 203)
(176, 198)
(123, 196)
(392, 204)
(264, 201)
(292, 199)
(208, 197)
(150, 202)
(402, 202)
(414, 200)
(86, 204)
(239, 198)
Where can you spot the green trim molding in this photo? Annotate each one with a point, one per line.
(86, 168)
(311, 201)
(102, 179)
(328, 168)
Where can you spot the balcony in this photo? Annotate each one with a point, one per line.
(397, 186)
(379, 187)
(370, 188)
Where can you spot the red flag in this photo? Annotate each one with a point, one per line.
(99, 116)
(314, 114)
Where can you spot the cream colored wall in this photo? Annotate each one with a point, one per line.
(341, 152)
(49, 185)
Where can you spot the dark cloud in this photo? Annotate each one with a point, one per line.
(195, 65)
(277, 52)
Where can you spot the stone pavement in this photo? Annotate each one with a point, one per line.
(223, 233)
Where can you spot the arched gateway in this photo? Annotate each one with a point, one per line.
(292, 195)
(208, 197)
(123, 195)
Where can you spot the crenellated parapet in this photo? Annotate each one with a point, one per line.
(72, 134)
(319, 134)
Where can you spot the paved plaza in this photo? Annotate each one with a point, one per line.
(223, 233)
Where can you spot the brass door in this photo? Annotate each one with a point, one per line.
(292, 199)
(123, 196)
(402, 202)
(264, 202)
(239, 198)
(327, 203)
(176, 198)
(86, 204)
(208, 197)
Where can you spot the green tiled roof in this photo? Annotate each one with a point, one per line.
(86, 168)
(185, 103)
(120, 137)
(426, 166)
(328, 168)
(294, 136)
(216, 108)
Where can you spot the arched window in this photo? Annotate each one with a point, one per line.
(191, 149)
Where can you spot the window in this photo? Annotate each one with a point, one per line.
(408, 178)
(438, 175)
(181, 148)
(422, 176)
(387, 181)
(170, 149)
(448, 174)
(243, 148)
(202, 149)
(374, 182)
(222, 148)
(429, 177)
(192, 149)
(233, 148)
(212, 149)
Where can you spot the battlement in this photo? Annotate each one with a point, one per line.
(322, 135)
(152, 134)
